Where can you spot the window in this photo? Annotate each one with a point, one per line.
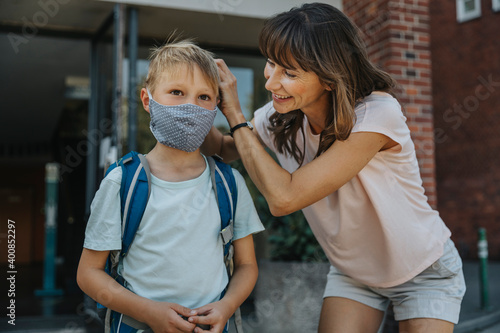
(496, 5)
(468, 9)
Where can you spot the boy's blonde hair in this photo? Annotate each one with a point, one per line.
(168, 57)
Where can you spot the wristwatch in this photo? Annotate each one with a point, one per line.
(246, 124)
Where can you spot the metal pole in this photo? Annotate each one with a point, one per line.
(94, 117)
(482, 246)
(116, 102)
(92, 124)
(49, 267)
(132, 80)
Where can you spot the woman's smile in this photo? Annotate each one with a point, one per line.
(281, 98)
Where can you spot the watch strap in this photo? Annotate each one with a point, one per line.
(245, 124)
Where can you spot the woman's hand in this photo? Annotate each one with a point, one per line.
(229, 104)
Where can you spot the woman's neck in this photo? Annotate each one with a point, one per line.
(317, 115)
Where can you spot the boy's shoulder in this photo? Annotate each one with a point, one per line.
(114, 176)
(228, 168)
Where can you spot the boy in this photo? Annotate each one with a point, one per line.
(174, 270)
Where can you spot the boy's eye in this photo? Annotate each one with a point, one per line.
(176, 92)
(205, 97)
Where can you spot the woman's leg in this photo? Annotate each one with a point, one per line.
(425, 325)
(344, 315)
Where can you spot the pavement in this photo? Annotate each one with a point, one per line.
(63, 315)
(472, 317)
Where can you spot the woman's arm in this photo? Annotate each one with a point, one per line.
(95, 282)
(223, 145)
(218, 144)
(288, 192)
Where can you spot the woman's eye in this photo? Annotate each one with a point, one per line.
(290, 75)
(205, 97)
(270, 63)
(176, 92)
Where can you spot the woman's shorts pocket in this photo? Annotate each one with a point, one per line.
(450, 263)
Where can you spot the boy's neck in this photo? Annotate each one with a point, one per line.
(175, 165)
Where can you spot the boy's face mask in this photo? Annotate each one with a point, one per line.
(183, 126)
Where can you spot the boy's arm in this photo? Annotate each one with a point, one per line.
(240, 286)
(95, 282)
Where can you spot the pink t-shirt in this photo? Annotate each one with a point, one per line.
(378, 228)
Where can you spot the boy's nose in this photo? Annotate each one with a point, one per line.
(192, 100)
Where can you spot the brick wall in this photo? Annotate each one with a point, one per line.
(397, 38)
(466, 95)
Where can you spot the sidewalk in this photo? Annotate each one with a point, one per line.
(472, 318)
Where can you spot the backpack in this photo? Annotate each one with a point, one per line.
(134, 195)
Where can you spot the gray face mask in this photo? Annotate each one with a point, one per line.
(183, 126)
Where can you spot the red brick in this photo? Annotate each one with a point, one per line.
(411, 91)
(422, 64)
(467, 163)
(424, 39)
(404, 46)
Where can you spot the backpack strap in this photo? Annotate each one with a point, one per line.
(136, 182)
(136, 179)
(226, 194)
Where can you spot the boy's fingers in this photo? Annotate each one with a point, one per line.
(204, 320)
(200, 330)
(186, 312)
(184, 325)
(202, 310)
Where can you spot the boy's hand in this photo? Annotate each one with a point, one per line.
(214, 314)
(166, 318)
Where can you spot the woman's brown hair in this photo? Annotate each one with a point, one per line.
(322, 40)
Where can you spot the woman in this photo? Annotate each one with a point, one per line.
(347, 160)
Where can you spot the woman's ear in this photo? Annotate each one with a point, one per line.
(328, 87)
(145, 99)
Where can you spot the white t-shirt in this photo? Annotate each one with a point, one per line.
(177, 253)
(378, 228)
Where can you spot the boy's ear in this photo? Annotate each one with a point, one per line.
(145, 99)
